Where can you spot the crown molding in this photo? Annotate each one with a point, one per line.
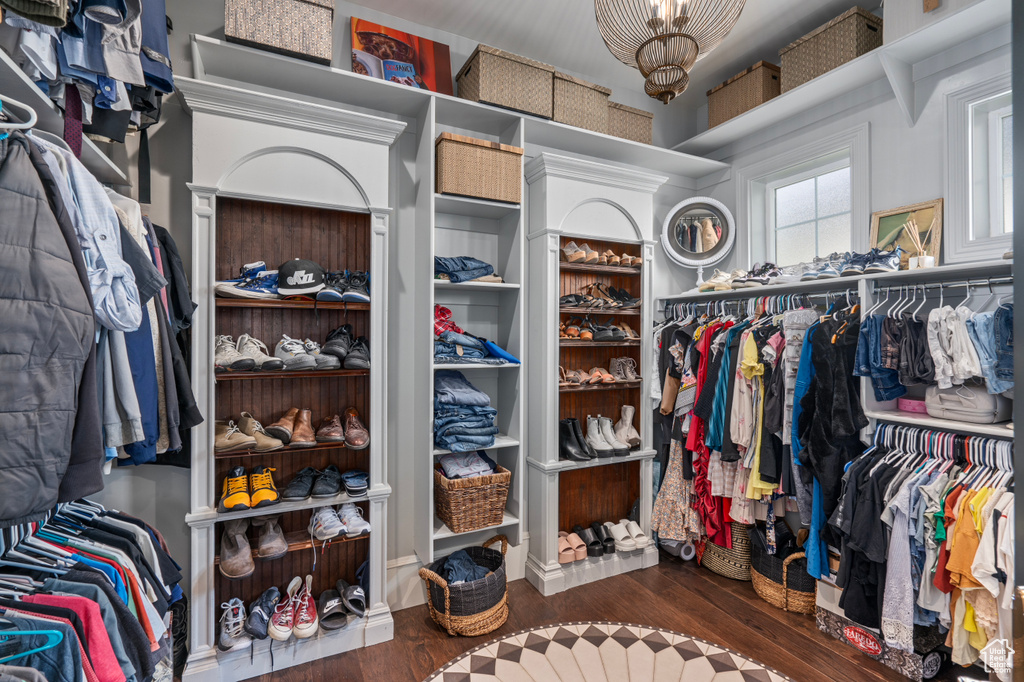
(248, 105)
(592, 172)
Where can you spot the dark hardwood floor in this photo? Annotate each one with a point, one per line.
(674, 594)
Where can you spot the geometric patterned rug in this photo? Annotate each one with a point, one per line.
(597, 651)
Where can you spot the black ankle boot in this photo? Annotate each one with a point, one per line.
(568, 447)
(577, 431)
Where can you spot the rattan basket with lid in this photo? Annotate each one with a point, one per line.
(493, 76)
(843, 39)
(297, 28)
(478, 168)
(581, 103)
(629, 123)
(743, 92)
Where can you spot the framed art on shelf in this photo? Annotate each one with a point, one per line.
(400, 57)
(916, 228)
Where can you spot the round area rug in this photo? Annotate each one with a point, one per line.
(592, 651)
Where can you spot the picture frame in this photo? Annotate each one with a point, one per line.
(887, 229)
(399, 57)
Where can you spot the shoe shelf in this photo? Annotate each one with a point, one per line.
(308, 374)
(443, 532)
(234, 454)
(586, 388)
(286, 304)
(297, 541)
(580, 343)
(471, 207)
(284, 507)
(633, 456)
(596, 269)
(597, 312)
(500, 441)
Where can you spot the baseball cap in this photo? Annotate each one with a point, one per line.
(300, 276)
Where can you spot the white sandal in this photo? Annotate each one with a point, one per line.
(623, 541)
(634, 531)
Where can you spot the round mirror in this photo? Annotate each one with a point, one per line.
(698, 232)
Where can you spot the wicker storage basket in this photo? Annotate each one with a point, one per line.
(846, 37)
(730, 563)
(472, 608)
(478, 168)
(784, 583)
(507, 80)
(466, 504)
(297, 28)
(580, 103)
(629, 123)
(743, 92)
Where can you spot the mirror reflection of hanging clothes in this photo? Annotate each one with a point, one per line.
(709, 236)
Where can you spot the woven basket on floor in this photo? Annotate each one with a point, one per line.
(507, 80)
(743, 92)
(472, 608)
(629, 123)
(730, 563)
(478, 168)
(843, 39)
(580, 103)
(466, 504)
(785, 583)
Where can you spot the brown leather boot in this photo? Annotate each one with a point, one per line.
(273, 544)
(302, 434)
(331, 430)
(235, 552)
(283, 427)
(356, 435)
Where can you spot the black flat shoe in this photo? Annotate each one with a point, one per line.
(604, 536)
(595, 547)
(570, 301)
(608, 332)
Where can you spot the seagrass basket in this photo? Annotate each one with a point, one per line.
(478, 168)
(731, 562)
(297, 28)
(507, 80)
(843, 39)
(743, 92)
(580, 103)
(466, 504)
(475, 607)
(629, 123)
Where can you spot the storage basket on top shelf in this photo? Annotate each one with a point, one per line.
(581, 103)
(729, 562)
(629, 123)
(297, 28)
(475, 607)
(476, 168)
(843, 39)
(743, 92)
(468, 504)
(507, 80)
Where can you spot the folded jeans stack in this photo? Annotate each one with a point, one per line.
(461, 268)
(463, 416)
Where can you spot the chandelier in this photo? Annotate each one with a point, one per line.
(665, 38)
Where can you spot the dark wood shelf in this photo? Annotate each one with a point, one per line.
(583, 388)
(601, 269)
(235, 454)
(279, 374)
(577, 343)
(281, 303)
(597, 312)
(298, 541)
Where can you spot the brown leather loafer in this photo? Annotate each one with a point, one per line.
(356, 435)
(331, 430)
(302, 435)
(283, 427)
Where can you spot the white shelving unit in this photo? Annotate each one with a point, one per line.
(15, 84)
(494, 233)
(896, 62)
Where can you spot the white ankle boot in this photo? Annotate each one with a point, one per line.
(618, 446)
(624, 430)
(596, 439)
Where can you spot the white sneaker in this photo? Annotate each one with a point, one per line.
(322, 361)
(232, 631)
(294, 354)
(257, 350)
(226, 357)
(721, 281)
(325, 524)
(352, 517)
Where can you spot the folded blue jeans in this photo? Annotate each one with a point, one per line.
(460, 430)
(457, 339)
(451, 387)
(461, 268)
(1004, 342)
(464, 443)
(449, 350)
(441, 410)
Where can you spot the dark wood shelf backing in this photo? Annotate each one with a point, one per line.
(278, 374)
(578, 343)
(584, 388)
(599, 269)
(284, 304)
(596, 312)
(239, 454)
(298, 541)
(600, 493)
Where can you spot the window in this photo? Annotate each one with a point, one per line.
(992, 166)
(810, 211)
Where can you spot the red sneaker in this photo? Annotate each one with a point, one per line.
(306, 621)
(283, 620)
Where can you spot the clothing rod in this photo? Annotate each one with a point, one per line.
(989, 281)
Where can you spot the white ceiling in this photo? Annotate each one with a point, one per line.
(564, 33)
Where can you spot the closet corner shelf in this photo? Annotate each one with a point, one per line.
(599, 269)
(281, 303)
(283, 507)
(475, 286)
(310, 374)
(500, 441)
(585, 388)
(463, 366)
(298, 541)
(443, 532)
(471, 207)
(910, 419)
(598, 311)
(237, 454)
(578, 343)
(633, 456)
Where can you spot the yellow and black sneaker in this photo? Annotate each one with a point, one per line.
(235, 495)
(264, 492)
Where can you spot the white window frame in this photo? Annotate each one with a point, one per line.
(804, 172)
(995, 168)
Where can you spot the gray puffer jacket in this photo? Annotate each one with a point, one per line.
(47, 332)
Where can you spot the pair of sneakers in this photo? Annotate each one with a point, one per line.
(328, 523)
(353, 351)
(245, 355)
(353, 287)
(295, 613)
(254, 281)
(303, 355)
